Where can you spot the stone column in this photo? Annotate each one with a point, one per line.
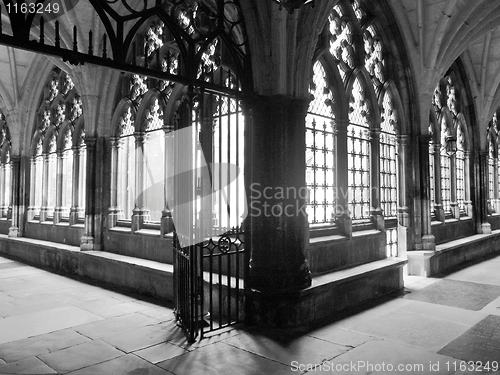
(45, 188)
(59, 187)
(275, 226)
(428, 240)
(494, 199)
(453, 187)
(376, 214)
(75, 188)
(16, 198)
(139, 213)
(32, 199)
(483, 226)
(3, 187)
(88, 240)
(114, 210)
(403, 171)
(167, 224)
(438, 201)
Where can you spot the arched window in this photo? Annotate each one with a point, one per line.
(389, 172)
(57, 194)
(450, 169)
(388, 159)
(321, 154)
(352, 128)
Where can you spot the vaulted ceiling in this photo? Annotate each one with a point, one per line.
(435, 33)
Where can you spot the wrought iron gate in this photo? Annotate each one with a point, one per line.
(209, 284)
(209, 261)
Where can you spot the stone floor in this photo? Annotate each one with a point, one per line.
(52, 324)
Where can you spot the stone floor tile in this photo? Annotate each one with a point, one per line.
(385, 357)
(5, 260)
(413, 329)
(371, 313)
(27, 366)
(223, 359)
(38, 323)
(111, 307)
(127, 364)
(177, 336)
(160, 352)
(418, 282)
(341, 336)
(160, 313)
(304, 348)
(80, 356)
(41, 302)
(14, 272)
(136, 339)
(110, 326)
(449, 313)
(33, 346)
(492, 308)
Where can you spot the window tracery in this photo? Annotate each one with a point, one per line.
(321, 154)
(59, 114)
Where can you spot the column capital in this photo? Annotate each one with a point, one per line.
(278, 102)
(424, 138)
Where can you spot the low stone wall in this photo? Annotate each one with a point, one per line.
(451, 254)
(148, 278)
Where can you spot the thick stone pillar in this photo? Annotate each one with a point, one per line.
(483, 226)
(275, 226)
(428, 240)
(15, 229)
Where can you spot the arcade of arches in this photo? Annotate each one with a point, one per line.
(366, 135)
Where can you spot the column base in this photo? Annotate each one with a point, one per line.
(266, 281)
(377, 220)
(87, 243)
(485, 228)
(14, 232)
(428, 242)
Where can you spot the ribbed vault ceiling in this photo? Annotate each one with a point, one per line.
(435, 33)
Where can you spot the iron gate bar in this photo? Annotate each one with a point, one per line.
(77, 58)
(230, 285)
